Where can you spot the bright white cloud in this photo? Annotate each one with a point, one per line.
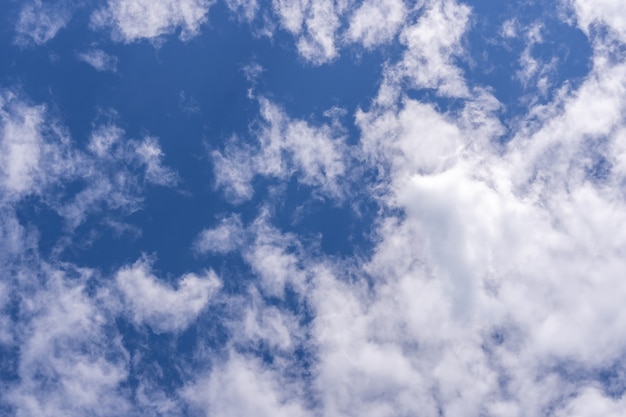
(314, 24)
(611, 13)
(275, 258)
(433, 44)
(497, 289)
(39, 21)
(99, 59)
(511, 255)
(35, 151)
(163, 308)
(267, 324)
(67, 364)
(243, 386)
(376, 22)
(133, 20)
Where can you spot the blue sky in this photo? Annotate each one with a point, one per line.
(307, 208)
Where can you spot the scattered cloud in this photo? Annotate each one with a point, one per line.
(314, 24)
(134, 20)
(433, 44)
(243, 386)
(494, 285)
(35, 151)
(163, 308)
(226, 237)
(40, 21)
(99, 59)
(39, 157)
(148, 152)
(67, 364)
(376, 22)
(284, 147)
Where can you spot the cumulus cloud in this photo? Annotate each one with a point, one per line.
(511, 249)
(99, 59)
(39, 21)
(133, 20)
(163, 308)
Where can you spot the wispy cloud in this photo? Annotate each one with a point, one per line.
(39, 21)
(39, 157)
(99, 59)
(315, 154)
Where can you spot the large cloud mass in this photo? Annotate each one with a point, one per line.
(492, 281)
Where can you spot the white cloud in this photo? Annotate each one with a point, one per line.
(274, 257)
(39, 22)
(267, 324)
(415, 140)
(286, 147)
(433, 44)
(592, 403)
(6, 336)
(241, 387)
(163, 308)
(67, 364)
(376, 22)
(35, 150)
(150, 155)
(133, 20)
(37, 157)
(234, 171)
(247, 9)
(495, 285)
(515, 242)
(99, 59)
(612, 13)
(314, 24)
(497, 288)
(115, 171)
(510, 28)
(226, 237)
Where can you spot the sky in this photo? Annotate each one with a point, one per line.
(312, 208)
